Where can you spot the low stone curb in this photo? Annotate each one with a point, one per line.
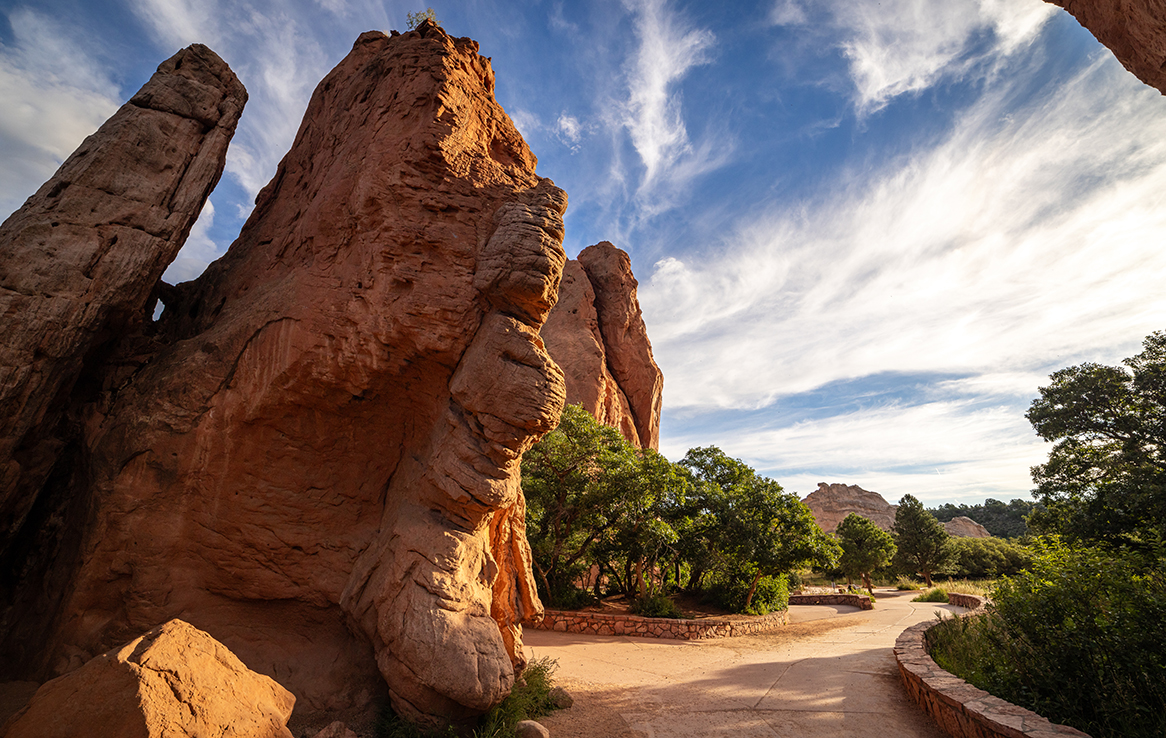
(597, 623)
(960, 709)
(854, 600)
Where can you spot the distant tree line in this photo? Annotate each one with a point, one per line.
(1002, 519)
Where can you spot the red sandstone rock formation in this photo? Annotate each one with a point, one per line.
(81, 259)
(315, 457)
(596, 334)
(1134, 30)
(831, 503)
(172, 682)
(966, 527)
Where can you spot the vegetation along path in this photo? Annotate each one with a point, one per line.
(833, 676)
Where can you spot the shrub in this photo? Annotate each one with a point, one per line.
(935, 594)
(987, 558)
(906, 584)
(655, 606)
(529, 699)
(1077, 639)
(570, 598)
(728, 591)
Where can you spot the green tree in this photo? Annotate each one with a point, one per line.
(752, 524)
(923, 545)
(1105, 480)
(415, 19)
(576, 485)
(865, 547)
(1002, 519)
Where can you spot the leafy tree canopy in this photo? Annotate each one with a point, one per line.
(1105, 480)
(865, 547)
(415, 19)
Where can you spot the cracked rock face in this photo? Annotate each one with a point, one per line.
(596, 333)
(831, 503)
(172, 682)
(1134, 30)
(314, 455)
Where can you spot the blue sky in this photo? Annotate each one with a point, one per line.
(865, 232)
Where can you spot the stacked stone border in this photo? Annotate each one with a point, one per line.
(597, 623)
(960, 709)
(854, 600)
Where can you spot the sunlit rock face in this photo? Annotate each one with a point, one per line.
(1134, 30)
(596, 333)
(831, 503)
(965, 527)
(314, 455)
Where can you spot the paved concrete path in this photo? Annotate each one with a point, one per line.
(823, 676)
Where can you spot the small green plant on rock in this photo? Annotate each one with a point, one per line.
(415, 19)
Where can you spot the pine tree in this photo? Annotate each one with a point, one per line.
(923, 545)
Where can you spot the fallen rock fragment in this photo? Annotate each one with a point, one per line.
(175, 681)
(531, 729)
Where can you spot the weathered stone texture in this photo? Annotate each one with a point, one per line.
(596, 333)
(81, 260)
(314, 456)
(966, 527)
(172, 682)
(1134, 30)
(831, 503)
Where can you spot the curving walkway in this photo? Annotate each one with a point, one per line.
(819, 676)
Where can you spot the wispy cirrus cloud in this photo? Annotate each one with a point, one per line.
(910, 45)
(1025, 239)
(55, 92)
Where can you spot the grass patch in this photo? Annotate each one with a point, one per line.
(935, 594)
(530, 699)
(906, 584)
(980, 587)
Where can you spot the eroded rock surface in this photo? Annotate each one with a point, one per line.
(172, 682)
(315, 455)
(831, 503)
(966, 527)
(596, 334)
(81, 260)
(1134, 30)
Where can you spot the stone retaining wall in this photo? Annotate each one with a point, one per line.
(960, 709)
(854, 600)
(597, 623)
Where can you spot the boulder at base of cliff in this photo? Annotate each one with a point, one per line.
(173, 681)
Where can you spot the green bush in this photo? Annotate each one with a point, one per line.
(935, 594)
(529, 699)
(771, 595)
(655, 606)
(987, 558)
(906, 584)
(1077, 638)
(569, 598)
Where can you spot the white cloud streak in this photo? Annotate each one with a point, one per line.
(652, 114)
(907, 46)
(55, 94)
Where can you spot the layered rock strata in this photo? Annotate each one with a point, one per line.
(315, 454)
(831, 503)
(175, 681)
(1134, 30)
(81, 260)
(596, 333)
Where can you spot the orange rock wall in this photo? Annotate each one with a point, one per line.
(314, 455)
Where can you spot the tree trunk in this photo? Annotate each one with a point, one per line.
(639, 577)
(752, 589)
(866, 583)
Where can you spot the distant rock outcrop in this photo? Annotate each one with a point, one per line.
(1134, 30)
(314, 454)
(831, 503)
(173, 682)
(596, 334)
(966, 527)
